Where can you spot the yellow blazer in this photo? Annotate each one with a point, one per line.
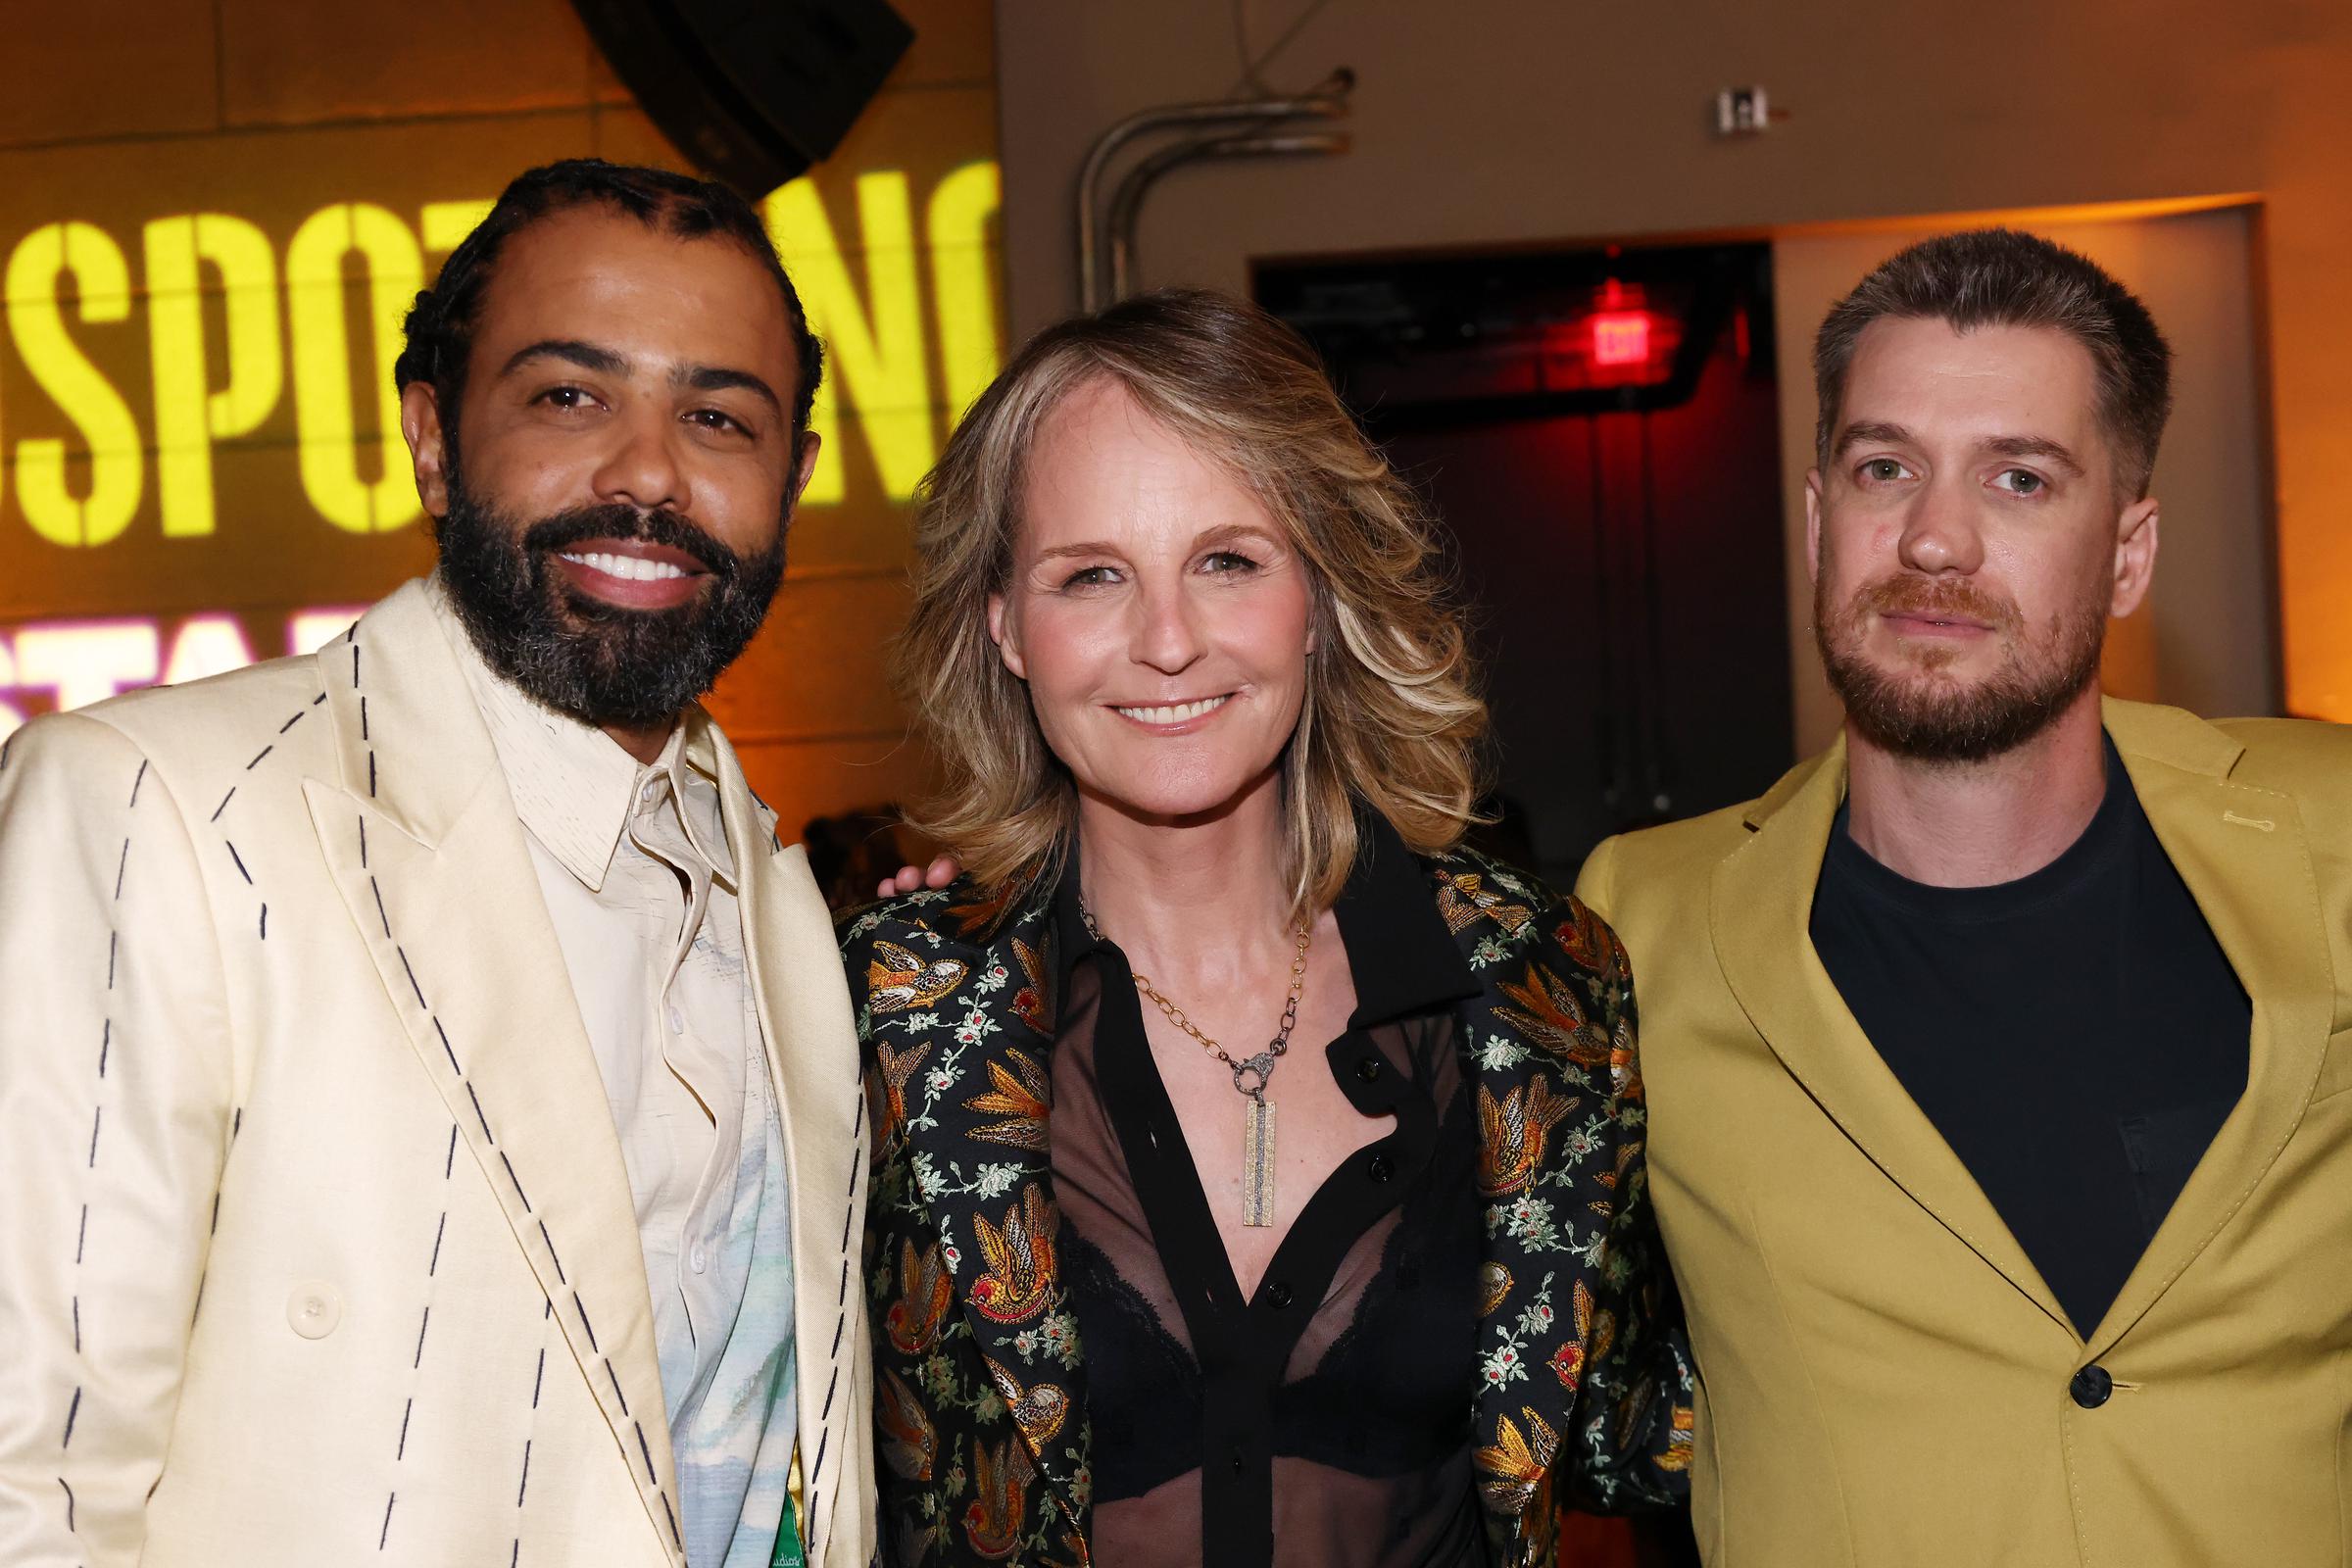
(316, 1245)
(1884, 1375)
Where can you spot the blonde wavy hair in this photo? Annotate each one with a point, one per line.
(1390, 716)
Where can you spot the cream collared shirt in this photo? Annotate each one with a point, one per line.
(639, 881)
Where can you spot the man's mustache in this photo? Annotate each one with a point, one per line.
(1936, 597)
(615, 521)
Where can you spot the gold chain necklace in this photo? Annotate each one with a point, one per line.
(1251, 1074)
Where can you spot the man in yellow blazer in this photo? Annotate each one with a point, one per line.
(429, 1117)
(1999, 1058)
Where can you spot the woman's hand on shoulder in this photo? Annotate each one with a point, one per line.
(913, 879)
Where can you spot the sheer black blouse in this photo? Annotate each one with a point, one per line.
(1322, 1421)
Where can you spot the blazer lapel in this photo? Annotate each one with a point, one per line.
(811, 1040)
(2242, 853)
(1761, 914)
(423, 843)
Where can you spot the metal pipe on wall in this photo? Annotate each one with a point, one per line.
(1327, 101)
(1127, 201)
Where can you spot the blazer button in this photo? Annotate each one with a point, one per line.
(1278, 1294)
(1368, 1069)
(2091, 1387)
(1382, 1167)
(314, 1310)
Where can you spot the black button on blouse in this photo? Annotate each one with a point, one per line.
(1335, 1400)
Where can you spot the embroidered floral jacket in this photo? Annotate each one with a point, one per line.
(1582, 1389)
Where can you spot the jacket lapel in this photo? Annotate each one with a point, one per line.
(812, 1042)
(423, 843)
(1761, 913)
(986, 1166)
(2241, 851)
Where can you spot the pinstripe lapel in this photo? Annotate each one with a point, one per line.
(811, 1041)
(422, 841)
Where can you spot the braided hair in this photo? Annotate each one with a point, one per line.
(440, 325)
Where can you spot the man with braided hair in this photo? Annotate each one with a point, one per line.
(428, 1097)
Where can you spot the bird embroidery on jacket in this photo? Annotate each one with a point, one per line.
(1512, 1134)
(1031, 1004)
(1495, 1284)
(897, 1068)
(1020, 1260)
(896, 978)
(1518, 1464)
(1550, 1015)
(1001, 1476)
(1039, 1411)
(1463, 902)
(926, 1294)
(910, 1438)
(1594, 1337)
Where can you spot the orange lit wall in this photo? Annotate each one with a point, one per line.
(210, 223)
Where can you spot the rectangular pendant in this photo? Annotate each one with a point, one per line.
(1257, 1165)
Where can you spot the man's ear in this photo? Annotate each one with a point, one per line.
(803, 464)
(2134, 557)
(1813, 524)
(421, 423)
(1006, 637)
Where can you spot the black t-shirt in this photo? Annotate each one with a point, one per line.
(2077, 1035)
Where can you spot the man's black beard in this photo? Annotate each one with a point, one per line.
(1917, 715)
(599, 663)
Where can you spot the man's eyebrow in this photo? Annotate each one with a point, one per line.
(572, 351)
(719, 378)
(1870, 430)
(2034, 446)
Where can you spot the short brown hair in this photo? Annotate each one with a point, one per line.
(1390, 717)
(2002, 278)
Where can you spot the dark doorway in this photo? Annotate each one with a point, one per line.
(1598, 431)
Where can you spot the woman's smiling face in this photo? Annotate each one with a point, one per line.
(1158, 611)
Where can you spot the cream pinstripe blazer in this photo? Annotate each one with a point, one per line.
(316, 1241)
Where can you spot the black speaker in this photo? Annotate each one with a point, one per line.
(752, 92)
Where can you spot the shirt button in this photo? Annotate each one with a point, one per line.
(1237, 1461)
(2091, 1387)
(1382, 1167)
(1368, 1069)
(649, 790)
(1277, 1296)
(314, 1310)
(695, 1257)
(677, 1023)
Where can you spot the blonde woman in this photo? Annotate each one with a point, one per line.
(1259, 1173)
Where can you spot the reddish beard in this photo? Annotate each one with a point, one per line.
(1922, 712)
